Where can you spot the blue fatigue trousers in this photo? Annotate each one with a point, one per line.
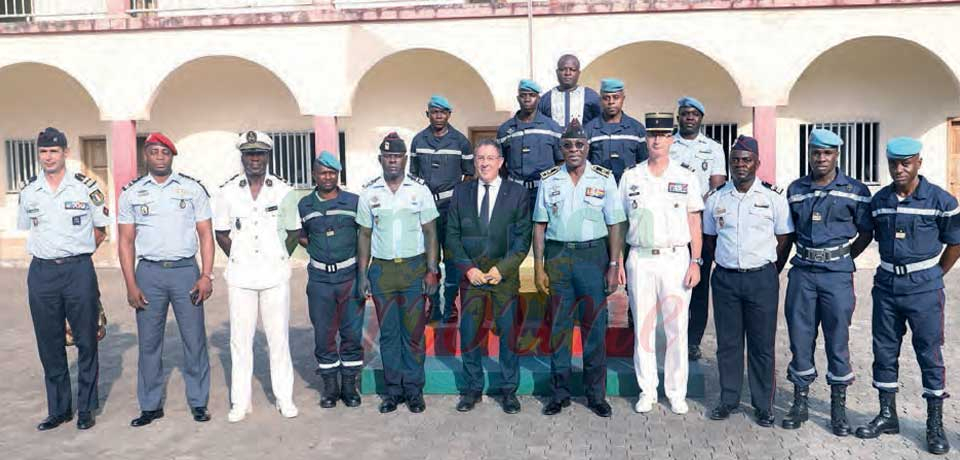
(486, 308)
(335, 310)
(819, 298)
(577, 293)
(397, 291)
(165, 284)
(923, 311)
(745, 307)
(58, 290)
(700, 304)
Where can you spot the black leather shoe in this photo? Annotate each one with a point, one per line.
(511, 404)
(146, 417)
(85, 420)
(200, 414)
(416, 404)
(54, 421)
(693, 353)
(886, 422)
(389, 404)
(348, 390)
(799, 411)
(936, 438)
(555, 406)
(838, 410)
(764, 418)
(723, 411)
(600, 407)
(468, 402)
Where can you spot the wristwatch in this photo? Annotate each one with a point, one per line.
(209, 276)
(698, 261)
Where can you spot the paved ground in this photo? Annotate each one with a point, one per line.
(438, 433)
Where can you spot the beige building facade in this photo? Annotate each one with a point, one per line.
(339, 75)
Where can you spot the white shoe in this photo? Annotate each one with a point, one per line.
(645, 403)
(679, 406)
(237, 414)
(288, 410)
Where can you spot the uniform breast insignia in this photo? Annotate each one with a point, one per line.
(901, 234)
(76, 220)
(770, 186)
(143, 192)
(554, 191)
(596, 192)
(183, 204)
(816, 217)
(549, 172)
(601, 170)
(237, 223)
(144, 210)
(416, 179)
(76, 205)
(269, 182)
(272, 208)
(131, 183)
(330, 232)
(677, 187)
(634, 205)
(705, 164)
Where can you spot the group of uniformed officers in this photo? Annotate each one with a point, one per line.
(603, 200)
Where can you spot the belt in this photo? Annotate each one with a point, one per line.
(333, 268)
(399, 260)
(529, 184)
(578, 244)
(901, 270)
(743, 270)
(823, 254)
(656, 251)
(184, 262)
(443, 195)
(62, 260)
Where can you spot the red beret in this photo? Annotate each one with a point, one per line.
(157, 138)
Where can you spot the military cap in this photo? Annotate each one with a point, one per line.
(255, 141)
(392, 143)
(51, 137)
(688, 101)
(824, 139)
(899, 148)
(528, 85)
(440, 102)
(574, 131)
(160, 139)
(611, 85)
(659, 122)
(329, 160)
(747, 144)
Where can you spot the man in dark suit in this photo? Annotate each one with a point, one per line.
(488, 234)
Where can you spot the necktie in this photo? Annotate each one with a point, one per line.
(485, 206)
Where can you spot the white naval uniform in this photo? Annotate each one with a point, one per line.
(657, 211)
(258, 277)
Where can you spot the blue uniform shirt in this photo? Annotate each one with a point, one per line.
(746, 224)
(441, 161)
(396, 219)
(529, 148)
(331, 227)
(581, 103)
(913, 230)
(704, 155)
(616, 146)
(581, 212)
(829, 216)
(61, 221)
(164, 215)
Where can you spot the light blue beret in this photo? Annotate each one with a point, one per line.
(611, 85)
(688, 101)
(825, 139)
(899, 148)
(528, 85)
(329, 160)
(439, 102)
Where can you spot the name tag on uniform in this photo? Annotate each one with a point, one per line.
(596, 192)
(676, 187)
(76, 220)
(555, 192)
(633, 193)
(525, 150)
(761, 205)
(76, 205)
(435, 164)
(816, 217)
(901, 234)
(614, 155)
(272, 208)
(330, 232)
(143, 192)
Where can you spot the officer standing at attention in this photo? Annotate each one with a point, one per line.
(663, 203)
(257, 229)
(397, 215)
(67, 220)
(329, 234)
(616, 139)
(748, 222)
(530, 141)
(912, 220)
(705, 156)
(568, 101)
(159, 218)
(443, 158)
(831, 213)
(577, 211)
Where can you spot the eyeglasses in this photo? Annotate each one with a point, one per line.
(570, 145)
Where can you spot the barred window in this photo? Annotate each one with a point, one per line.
(293, 154)
(725, 134)
(143, 5)
(15, 10)
(858, 154)
(21, 162)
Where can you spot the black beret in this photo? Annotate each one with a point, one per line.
(51, 137)
(393, 144)
(574, 131)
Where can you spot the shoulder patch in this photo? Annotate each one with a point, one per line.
(198, 183)
(416, 179)
(601, 170)
(549, 172)
(372, 181)
(770, 186)
(229, 180)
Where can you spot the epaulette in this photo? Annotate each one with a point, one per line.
(770, 186)
(601, 170)
(130, 184)
(549, 172)
(714, 190)
(371, 181)
(88, 181)
(31, 180)
(198, 183)
(229, 180)
(416, 179)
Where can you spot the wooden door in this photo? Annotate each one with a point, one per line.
(94, 159)
(953, 155)
(477, 133)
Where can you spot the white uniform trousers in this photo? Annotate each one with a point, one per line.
(273, 305)
(655, 285)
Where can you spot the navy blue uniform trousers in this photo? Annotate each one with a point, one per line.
(923, 312)
(335, 310)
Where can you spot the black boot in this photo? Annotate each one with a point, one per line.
(838, 410)
(936, 439)
(886, 422)
(799, 412)
(348, 390)
(330, 393)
